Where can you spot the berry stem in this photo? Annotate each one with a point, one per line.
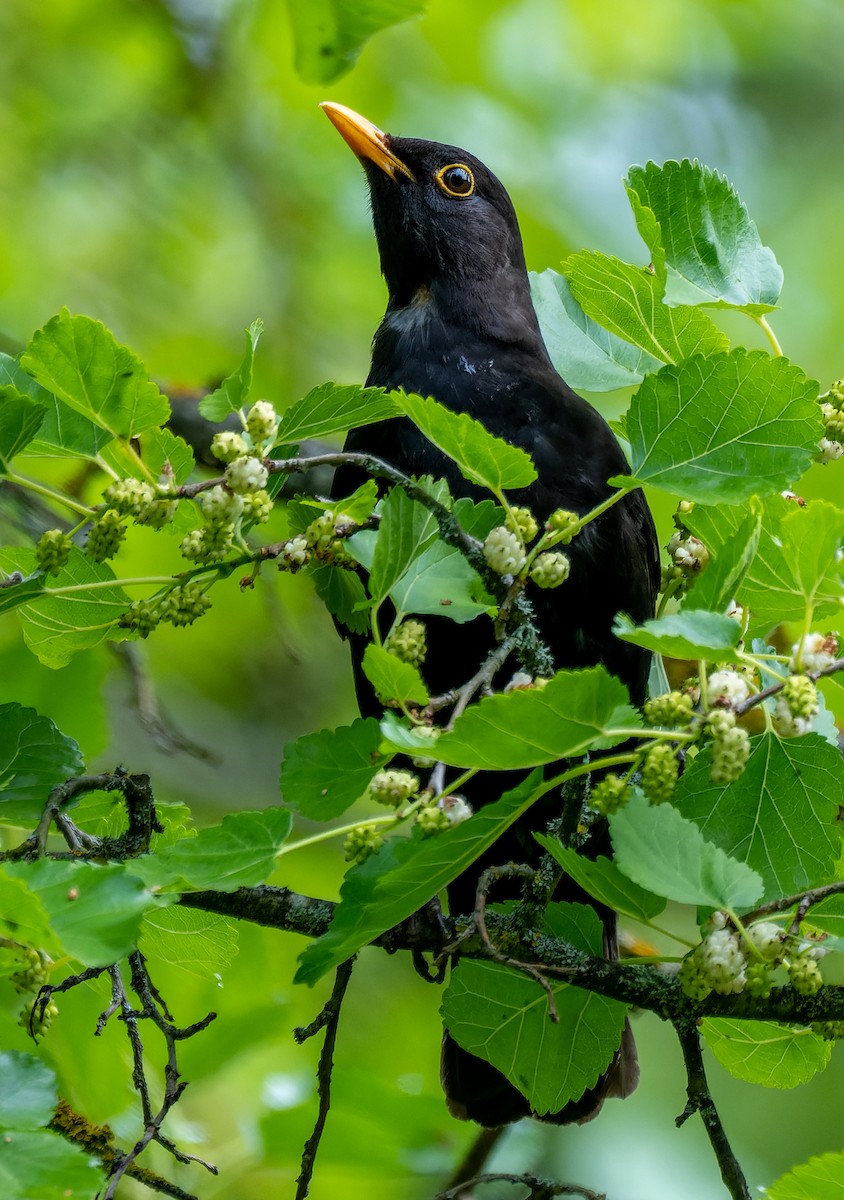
(337, 831)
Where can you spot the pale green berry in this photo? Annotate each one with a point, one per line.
(261, 421)
(129, 496)
(361, 842)
(431, 819)
(550, 569)
(804, 975)
(660, 770)
(504, 552)
(730, 753)
(692, 978)
(105, 536)
(758, 980)
(522, 522)
(831, 1030)
(767, 938)
(141, 617)
(672, 708)
(407, 642)
(609, 794)
(257, 507)
(246, 474)
(157, 513)
(185, 604)
(393, 788)
(562, 525)
(227, 445)
(53, 551)
(220, 506)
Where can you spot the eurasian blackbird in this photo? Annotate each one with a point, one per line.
(460, 326)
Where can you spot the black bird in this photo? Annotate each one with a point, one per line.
(460, 326)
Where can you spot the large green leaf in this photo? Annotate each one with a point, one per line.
(685, 634)
(627, 300)
(341, 592)
(603, 881)
(780, 816)
(239, 852)
(38, 1164)
(63, 431)
(405, 529)
(766, 1053)
(404, 875)
(324, 773)
(656, 848)
(575, 711)
(330, 34)
(20, 418)
(440, 582)
(34, 757)
(29, 1093)
(200, 943)
(585, 354)
(724, 427)
(711, 249)
(23, 917)
(334, 408)
(80, 361)
(55, 626)
(502, 1016)
(482, 458)
(95, 911)
(821, 1178)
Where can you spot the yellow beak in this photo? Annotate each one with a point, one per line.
(367, 140)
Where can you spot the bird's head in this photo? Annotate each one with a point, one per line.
(444, 223)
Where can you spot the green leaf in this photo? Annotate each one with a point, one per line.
(330, 34)
(42, 1165)
(404, 875)
(584, 353)
(627, 300)
(20, 419)
(34, 757)
(201, 943)
(94, 910)
(440, 582)
(766, 1053)
(728, 564)
(482, 458)
(80, 361)
(712, 249)
(780, 816)
(656, 848)
(335, 408)
(360, 505)
(160, 447)
(13, 595)
(575, 711)
(29, 1093)
(341, 592)
(324, 773)
(239, 852)
(828, 915)
(62, 431)
(233, 392)
(724, 427)
(55, 627)
(821, 1178)
(23, 917)
(603, 881)
(685, 634)
(406, 528)
(394, 681)
(502, 1016)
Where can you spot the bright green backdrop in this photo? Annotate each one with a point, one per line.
(164, 169)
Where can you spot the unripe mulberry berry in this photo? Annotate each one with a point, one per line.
(688, 553)
(804, 975)
(831, 1030)
(723, 961)
(828, 450)
(33, 973)
(833, 420)
(504, 552)
(227, 445)
(815, 653)
(295, 554)
(659, 773)
(220, 506)
(361, 842)
(37, 1018)
(692, 978)
(261, 421)
(393, 787)
(105, 536)
(801, 696)
(407, 642)
(728, 687)
(129, 496)
(730, 753)
(257, 507)
(185, 604)
(563, 525)
(767, 938)
(431, 819)
(322, 532)
(522, 522)
(672, 708)
(550, 569)
(609, 794)
(157, 513)
(53, 551)
(246, 474)
(141, 617)
(758, 981)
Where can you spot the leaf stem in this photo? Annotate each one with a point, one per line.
(98, 584)
(762, 322)
(336, 831)
(49, 494)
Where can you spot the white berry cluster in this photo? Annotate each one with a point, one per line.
(506, 547)
(730, 745)
(725, 962)
(448, 811)
(393, 788)
(408, 642)
(814, 653)
(148, 504)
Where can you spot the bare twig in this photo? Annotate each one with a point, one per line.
(475, 1158)
(766, 693)
(538, 1189)
(700, 1101)
(803, 900)
(328, 1019)
(145, 702)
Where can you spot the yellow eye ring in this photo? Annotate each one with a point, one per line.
(456, 180)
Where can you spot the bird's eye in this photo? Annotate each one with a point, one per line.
(456, 180)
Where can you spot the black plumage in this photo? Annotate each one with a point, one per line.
(460, 326)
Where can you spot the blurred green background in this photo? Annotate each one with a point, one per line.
(166, 170)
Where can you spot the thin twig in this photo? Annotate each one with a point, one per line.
(475, 1158)
(700, 1101)
(145, 702)
(328, 1019)
(803, 900)
(766, 693)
